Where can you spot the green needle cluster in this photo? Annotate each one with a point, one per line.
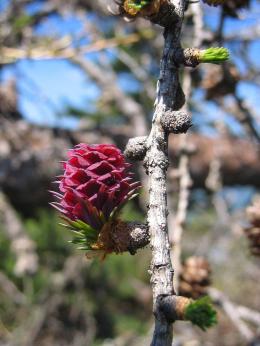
(214, 55)
(201, 313)
(138, 4)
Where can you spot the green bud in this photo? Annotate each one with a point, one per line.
(201, 313)
(214, 55)
(137, 4)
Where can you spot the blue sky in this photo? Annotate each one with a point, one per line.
(46, 86)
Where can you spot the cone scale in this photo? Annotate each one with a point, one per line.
(95, 185)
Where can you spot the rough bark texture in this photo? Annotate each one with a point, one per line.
(136, 148)
(156, 164)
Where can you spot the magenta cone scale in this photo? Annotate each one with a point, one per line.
(94, 186)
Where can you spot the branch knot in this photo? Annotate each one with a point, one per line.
(176, 121)
(136, 148)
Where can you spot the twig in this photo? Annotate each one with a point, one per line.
(156, 163)
(185, 181)
(11, 290)
(21, 244)
(138, 71)
(107, 81)
(249, 314)
(177, 223)
(232, 312)
(60, 49)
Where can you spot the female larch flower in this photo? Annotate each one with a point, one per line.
(93, 188)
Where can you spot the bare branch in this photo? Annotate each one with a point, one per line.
(21, 244)
(156, 164)
(232, 312)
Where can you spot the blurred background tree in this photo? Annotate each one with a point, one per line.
(71, 73)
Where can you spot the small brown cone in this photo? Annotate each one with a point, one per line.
(195, 277)
(219, 80)
(253, 212)
(253, 231)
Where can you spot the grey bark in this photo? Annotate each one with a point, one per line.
(156, 163)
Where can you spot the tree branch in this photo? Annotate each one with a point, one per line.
(232, 312)
(22, 246)
(156, 163)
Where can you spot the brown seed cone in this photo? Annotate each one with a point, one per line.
(253, 231)
(253, 234)
(219, 81)
(253, 212)
(194, 277)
